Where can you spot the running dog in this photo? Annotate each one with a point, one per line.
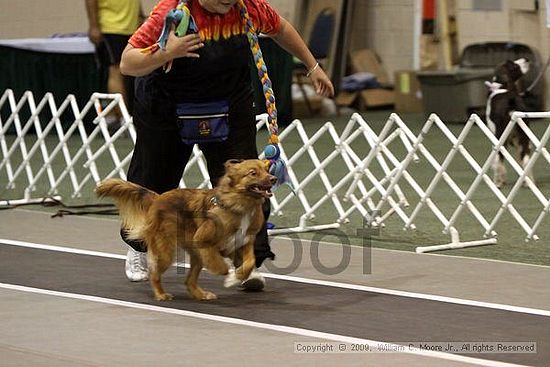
(210, 225)
(505, 98)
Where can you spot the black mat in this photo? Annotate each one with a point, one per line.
(327, 309)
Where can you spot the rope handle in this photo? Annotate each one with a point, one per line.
(262, 74)
(275, 164)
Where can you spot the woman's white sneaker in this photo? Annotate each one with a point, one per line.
(136, 266)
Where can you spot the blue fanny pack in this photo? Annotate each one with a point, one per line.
(203, 122)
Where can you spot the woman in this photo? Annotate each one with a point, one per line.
(210, 67)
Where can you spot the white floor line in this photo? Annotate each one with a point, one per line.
(355, 287)
(259, 325)
(430, 297)
(69, 250)
(284, 237)
(412, 253)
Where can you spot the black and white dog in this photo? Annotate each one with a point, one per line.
(505, 98)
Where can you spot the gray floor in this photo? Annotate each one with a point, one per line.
(48, 330)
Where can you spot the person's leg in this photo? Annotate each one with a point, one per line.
(215, 154)
(157, 163)
(113, 45)
(158, 160)
(262, 250)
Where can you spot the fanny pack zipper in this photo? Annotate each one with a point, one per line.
(202, 116)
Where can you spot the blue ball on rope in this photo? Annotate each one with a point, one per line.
(272, 152)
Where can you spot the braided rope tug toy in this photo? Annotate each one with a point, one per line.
(183, 20)
(272, 152)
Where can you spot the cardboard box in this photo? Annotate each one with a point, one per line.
(300, 109)
(345, 98)
(408, 95)
(377, 97)
(367, 60)
(366, 99)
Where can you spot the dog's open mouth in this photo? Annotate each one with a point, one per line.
(261, 190)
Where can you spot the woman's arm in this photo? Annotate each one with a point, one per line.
(134, 62)
(94, 33)
(289, 39)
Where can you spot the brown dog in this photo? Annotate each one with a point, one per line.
(208, 224)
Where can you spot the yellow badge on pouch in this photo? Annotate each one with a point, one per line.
(204, 128)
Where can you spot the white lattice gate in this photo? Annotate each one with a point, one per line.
(365, 173)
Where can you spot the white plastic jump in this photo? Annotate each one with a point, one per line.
(365, 174)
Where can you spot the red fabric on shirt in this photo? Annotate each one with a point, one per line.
(212, 27)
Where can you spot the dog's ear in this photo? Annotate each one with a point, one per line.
(232, 162)
(227, 179)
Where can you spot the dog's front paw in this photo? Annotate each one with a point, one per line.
(208, 296)
(164, 297)
(231, 279)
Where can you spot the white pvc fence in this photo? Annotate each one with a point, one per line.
(367, 173)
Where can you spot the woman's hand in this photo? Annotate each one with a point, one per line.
(321, 82)
(185, 46)
(288, 38)
(135, 62)
(95, 36)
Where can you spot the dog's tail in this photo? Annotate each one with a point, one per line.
(132, 201)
